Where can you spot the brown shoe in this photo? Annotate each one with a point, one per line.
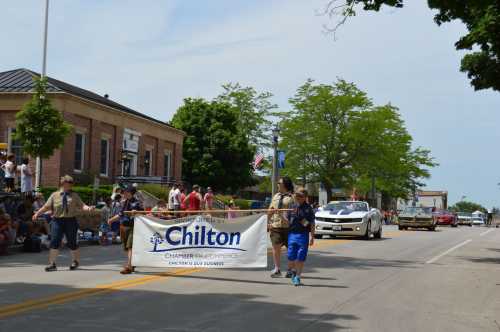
(126, 270)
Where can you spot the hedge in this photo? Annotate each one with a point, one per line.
(85, 193)
(160, 192)
(243, 204)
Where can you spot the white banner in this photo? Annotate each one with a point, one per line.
(200, 241)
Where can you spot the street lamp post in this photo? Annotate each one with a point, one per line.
(38, 167)
(275, 172)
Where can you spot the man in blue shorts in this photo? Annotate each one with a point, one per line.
(301, 233)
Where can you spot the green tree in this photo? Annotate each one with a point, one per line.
(334, 135)
(465, 206)
(481, 18)
(386, 155)
(254, 112)
(316, 133)
(215, 152)
(40, 128)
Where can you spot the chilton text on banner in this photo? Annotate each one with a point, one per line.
(200, 241)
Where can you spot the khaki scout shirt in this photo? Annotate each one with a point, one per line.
(280, 219)
(55, 203)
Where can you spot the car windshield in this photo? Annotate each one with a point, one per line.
(414, 210)
(351, 206)
(464, 214)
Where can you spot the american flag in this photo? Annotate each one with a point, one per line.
(258, 160)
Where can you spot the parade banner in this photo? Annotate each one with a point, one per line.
(200, 241)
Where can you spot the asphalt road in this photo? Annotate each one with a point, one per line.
(448, 280)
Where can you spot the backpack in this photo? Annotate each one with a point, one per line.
(32, 244)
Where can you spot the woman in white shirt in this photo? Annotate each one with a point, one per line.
(10, 173)
(26, 176)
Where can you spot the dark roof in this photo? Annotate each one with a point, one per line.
(21, 80)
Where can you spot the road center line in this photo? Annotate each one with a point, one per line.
(41, 303)
(434, 259)
(486, 232)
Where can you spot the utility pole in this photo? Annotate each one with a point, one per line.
(275, 175)
(38, 167)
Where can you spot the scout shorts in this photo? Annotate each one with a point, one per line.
(279, 236)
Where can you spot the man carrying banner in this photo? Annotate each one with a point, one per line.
(278, 223)
(301, 228)
(131, 204)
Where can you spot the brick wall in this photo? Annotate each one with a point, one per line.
(95, 121)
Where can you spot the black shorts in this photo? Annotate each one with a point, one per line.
(9, 183)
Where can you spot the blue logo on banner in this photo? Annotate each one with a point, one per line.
(180, 238)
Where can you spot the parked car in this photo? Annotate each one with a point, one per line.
(464, 218)
(417, 217)
(445, 217)
(350, 218)
(478, 220)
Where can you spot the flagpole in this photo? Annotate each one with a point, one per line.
(38, 167)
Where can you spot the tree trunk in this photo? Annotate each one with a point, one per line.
(328, 189)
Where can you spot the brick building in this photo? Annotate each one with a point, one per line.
(107, 139)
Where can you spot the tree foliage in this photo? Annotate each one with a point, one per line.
(481, 18)
(465, 206)
(336, 136)
(216, 153)
(254, 112)
(40, 128)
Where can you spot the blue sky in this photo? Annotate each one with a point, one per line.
(149, 55)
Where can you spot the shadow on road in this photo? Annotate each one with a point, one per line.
(305, 280)
(146, 310)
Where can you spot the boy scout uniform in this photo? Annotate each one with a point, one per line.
(279, 221)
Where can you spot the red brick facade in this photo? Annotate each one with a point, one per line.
(97, 122)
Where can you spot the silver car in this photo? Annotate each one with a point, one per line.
(351, 218)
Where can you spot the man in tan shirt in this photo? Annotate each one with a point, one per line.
(65, 205)
(278, 222)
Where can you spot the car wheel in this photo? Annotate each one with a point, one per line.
(378, 235)
(368, 233)
(401, 228)
(454, 225)
(318, 236)
(470, 225)
(432, 229)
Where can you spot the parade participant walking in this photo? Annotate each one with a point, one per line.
(194, 200)
(26, 181)
(301, 228)
(209, 199)
(65, 206)
(131, 204)
(278, 223)
(9, 169)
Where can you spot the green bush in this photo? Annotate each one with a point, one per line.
(243, 204)
(85, 193)
(156, 190)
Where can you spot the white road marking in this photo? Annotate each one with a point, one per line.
(434, 259)
(488, 231)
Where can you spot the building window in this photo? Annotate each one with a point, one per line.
(79, 151)
(16, 147)
(168, 164)
(147, 163)
(104, 164)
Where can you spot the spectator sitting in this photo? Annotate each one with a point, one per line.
(104, 228)
(5, 232)
(160, 209)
